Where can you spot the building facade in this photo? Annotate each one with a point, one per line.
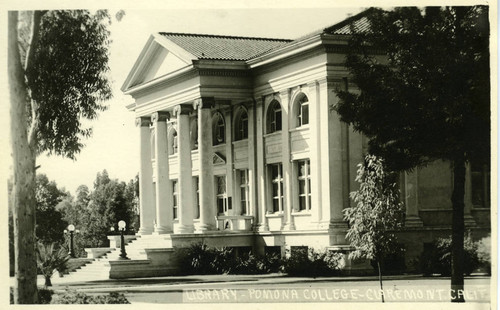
(239, 145)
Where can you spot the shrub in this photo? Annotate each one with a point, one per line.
(253, 264)
(49, 258)
(201, 259)
(312, 263)
(44, 295)
(74, 297)
(437, 258)
(484, 253)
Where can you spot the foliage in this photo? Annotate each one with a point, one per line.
(312, 263)
(432, 84)
(49, 224)
(68, 77)
(437, 258)
(377, 211)
(45, 295)
(484, 253)
(95, 212)
(199, 258)
(75, 297)
(50, 258)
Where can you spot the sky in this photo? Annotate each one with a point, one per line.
(114, 145)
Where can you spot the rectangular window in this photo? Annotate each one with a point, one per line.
(480, 179)
(175, 194)
(277, 189)
(304, 179)
(196, 181)
(244, 196)
(222, 206)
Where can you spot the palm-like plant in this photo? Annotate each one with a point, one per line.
(51, 258)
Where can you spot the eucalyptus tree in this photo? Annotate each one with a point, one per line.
(57, 73)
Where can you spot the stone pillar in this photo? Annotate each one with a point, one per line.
(412, 218)
(316, 171)
(185, 181)
(468, 219)
(205, 151)
(288, 223)
(261, 219)
(164, 212)
(252, 163)
(146, 200)
(228, 121)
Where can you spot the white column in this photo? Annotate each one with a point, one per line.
(186, 204)
(262, 224)
(229, 162)
(316, 171)
(288, 223)
(468, 218)
(412, 218)
(332, 164)
(146, 199)
(164, 212)
(205, 151)
(252, 164)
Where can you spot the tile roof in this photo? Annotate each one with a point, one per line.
(223, 47)
(204, 46)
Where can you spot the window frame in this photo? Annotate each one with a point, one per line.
(221, 197)
(274, 117)
(277, 182)
(302, 103)
(218, 129)
(306, 179)
(241, 125)
(244, 191)
(175, 199)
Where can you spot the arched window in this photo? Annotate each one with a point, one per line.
(241, 125)
(218, 129)
(274, 117)
(302, 111)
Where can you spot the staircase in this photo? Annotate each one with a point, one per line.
(137, 252)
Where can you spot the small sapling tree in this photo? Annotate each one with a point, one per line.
(377, 212)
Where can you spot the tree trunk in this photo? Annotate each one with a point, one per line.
(380, 280)
(458, 228)
(23, 190)
(48, 282)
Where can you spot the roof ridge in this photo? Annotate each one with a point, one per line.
(222, 36)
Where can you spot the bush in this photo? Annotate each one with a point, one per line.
(484, 253)
(201, 259)
(74, 297)
(393, 263)
(312, 263)
(44, 296)
(437, 258)
(50, 258)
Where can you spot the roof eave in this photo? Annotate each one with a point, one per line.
(287, 51)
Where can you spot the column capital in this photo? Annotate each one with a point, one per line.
(143, 121)
(204, 103)
(160, 116)
(182, 109)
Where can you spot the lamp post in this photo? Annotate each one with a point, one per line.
(121, 228)
(71, 229)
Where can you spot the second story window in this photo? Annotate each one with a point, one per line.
(303, 111)
(218, 129)
(222, 206)
(274, 117)
(241, 125)
(277, 189)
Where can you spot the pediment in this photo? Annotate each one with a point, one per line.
(218, 159)
(158, 58)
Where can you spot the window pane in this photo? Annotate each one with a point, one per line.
(276, 206)
(275, 189)
(305, 114)
(302, 169)
(278, 120)
(302, 187)
(220, 205)
(274, 172)
(302, 203)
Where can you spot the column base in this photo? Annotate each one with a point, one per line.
(145, 231)
(162, 231)
(261, 227)
(204, 228)
(469, 221)
(413, 221)
(185, 229)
